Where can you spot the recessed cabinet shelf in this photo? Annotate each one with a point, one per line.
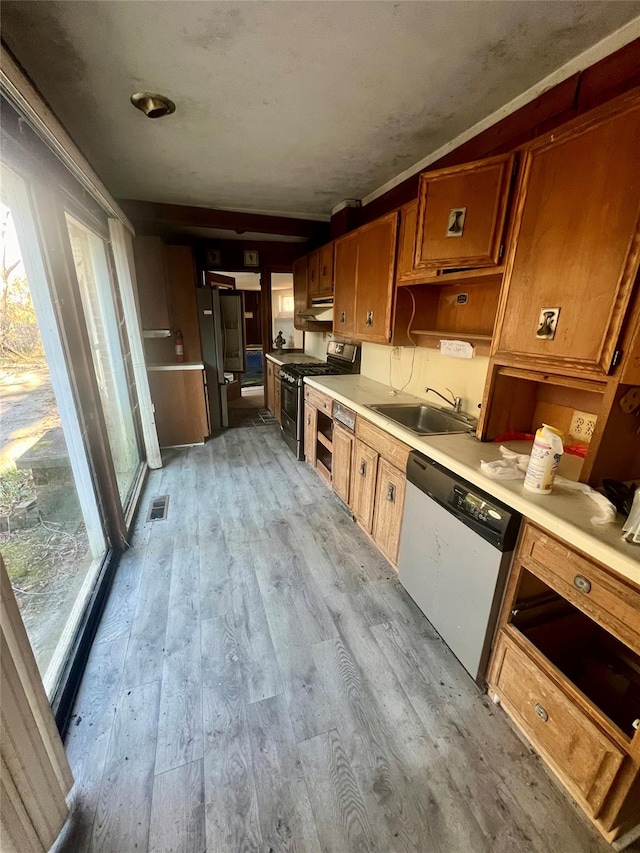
(458, 311)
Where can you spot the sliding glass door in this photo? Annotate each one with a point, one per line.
(51, 529)
(104, 329)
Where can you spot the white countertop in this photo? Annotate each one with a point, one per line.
(185, 365)
(285, 357)
(564, 513)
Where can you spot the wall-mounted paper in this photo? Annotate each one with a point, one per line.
(457, 349)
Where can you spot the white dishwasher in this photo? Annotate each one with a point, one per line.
(456, 549)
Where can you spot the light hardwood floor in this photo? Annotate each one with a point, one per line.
(261, 682)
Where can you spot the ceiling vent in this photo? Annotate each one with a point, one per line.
(153, 106)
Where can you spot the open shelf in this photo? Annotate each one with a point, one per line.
(325, 442)
(457, 311)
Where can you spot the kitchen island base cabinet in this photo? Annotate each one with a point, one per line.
(178, 398)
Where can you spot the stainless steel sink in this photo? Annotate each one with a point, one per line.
(426, 420)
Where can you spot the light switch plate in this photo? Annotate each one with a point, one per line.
(582, 426)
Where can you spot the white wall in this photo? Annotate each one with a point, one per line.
(315, 343)
(465, 377)
(283, 324)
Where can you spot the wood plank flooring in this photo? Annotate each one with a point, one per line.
(260, 683)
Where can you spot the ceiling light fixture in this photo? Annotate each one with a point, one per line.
(152, 105)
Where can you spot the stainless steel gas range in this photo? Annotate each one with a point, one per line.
(341, 359)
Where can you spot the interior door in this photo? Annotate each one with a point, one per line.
(233, 334)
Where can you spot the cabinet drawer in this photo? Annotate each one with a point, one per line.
(319, 400)
(607, 600)
(386, 445)
(579, 751)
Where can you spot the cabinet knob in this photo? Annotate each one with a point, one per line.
(369, 320)
(363, 467)
(540, 711)
(582, 584)
(391, 493)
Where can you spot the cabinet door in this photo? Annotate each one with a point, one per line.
(325, 270)
(462, 212)
(278, 398)
(300, 292)
(341, 468)
(573, 247)
(151, 280)
(363, 483)
(178, 398)
(375, 273)
(389, 504)
(405, 272)
(271, 391)
(346, 260)
(313, 276)
(584, 757)
(310, 433)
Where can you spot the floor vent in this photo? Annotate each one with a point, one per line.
(158, 508)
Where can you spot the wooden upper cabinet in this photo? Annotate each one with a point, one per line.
(325, 270)
(375, 274)
(183, 307)
(300, 292)
(575, 248)
(405, 272)
(462, 213)
(313, 275)
(344, 300)
(151, 278)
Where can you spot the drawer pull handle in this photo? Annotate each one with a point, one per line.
(391, 493)
(308, 420)
(540, 711)
(369, 320)
(582, 584)
(343, 317)
(363, 467)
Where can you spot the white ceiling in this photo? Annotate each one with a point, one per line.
(287, 106)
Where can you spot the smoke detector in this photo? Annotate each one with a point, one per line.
(152, 105)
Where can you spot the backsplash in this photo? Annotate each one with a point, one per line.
(465, 377)
(315, 343)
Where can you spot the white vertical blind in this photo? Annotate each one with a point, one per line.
(122, 247)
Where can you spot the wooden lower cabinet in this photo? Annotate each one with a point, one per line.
(277, 392)
(387, 519)
(585, 758)
(310, 433)
(180, 407)
(364, 470)
(342, 453)
(566, 669)
(269, 386)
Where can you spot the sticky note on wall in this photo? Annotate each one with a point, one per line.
(457, 349)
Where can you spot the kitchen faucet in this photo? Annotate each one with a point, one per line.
(455, 403)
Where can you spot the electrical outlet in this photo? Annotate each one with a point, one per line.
(582, 426)
(395, 352)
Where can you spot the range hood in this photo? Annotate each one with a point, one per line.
(318, 308)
